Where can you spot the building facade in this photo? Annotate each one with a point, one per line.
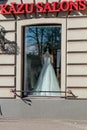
(17, 17)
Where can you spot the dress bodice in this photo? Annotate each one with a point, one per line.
(47, 60)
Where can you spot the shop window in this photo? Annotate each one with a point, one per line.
(42, 60)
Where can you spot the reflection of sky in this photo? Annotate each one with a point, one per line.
(28, 40)
(30, 35)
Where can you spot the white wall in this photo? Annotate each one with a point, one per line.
(74, 51)
(77, 56)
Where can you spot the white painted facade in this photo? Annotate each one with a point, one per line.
(73, 50)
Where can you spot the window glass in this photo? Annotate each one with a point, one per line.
(42, 60)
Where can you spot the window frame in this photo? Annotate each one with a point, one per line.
(20, 66)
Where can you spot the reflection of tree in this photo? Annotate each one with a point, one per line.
(43, 35)
(35, 35)
(53, 36)
(37, 38)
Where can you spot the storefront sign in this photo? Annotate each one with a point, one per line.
(40, 7)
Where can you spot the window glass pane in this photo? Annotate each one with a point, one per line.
(42, 60)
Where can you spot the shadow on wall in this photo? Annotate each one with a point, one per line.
(7, 46)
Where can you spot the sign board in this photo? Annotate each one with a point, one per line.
(40, 7)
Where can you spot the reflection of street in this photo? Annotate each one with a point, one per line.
(42, 124)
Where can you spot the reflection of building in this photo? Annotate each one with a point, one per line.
(32, 49)
(73, 50)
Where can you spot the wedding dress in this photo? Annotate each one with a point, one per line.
(47, 80)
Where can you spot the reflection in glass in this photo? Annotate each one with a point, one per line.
(37, 70)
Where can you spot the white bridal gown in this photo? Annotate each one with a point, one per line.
(47, 80)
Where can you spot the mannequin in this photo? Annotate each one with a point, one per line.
(47, 82)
